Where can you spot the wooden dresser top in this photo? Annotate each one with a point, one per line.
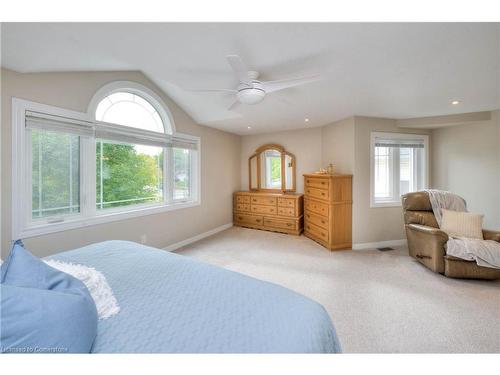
(291, 195)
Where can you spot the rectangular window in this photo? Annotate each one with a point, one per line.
(70, 172)
(182, 174)
(55, 174)
(398, 166)
(128, 175)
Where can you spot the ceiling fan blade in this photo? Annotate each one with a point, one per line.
(239, 68)
(213, 90)
(234, 105)
(272, 86)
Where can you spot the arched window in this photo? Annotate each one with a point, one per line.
(133, 105)
(124, 152)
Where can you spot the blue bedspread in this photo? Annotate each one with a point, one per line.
(174, 304)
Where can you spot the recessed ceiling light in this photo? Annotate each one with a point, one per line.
(249, 127)
(455, 102)
(306, 120)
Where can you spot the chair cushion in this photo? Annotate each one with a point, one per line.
(43, 308)
(417, 201)
(462, 224)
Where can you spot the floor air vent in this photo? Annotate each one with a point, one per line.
(384, 248)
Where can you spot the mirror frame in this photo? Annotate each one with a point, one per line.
(283, 152)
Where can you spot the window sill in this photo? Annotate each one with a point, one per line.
(385, 204)
(81, 222)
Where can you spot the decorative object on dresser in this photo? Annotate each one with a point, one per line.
(277, 212)
(270, 203)
(328, 209)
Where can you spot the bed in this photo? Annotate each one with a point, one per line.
(174, 304)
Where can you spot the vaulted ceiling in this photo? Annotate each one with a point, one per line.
(396, 70)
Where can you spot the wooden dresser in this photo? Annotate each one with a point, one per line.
(328, 210)
(277, 212)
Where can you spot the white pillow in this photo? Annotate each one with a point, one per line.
(96, 283)
(462, 224)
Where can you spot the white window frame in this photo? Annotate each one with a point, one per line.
(22, 224)
(389, 135)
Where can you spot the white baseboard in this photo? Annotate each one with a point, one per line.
(198, 237)
(374, 245)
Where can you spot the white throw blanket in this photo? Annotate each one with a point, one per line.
(486, 253)
(444, 199)
(96, 283)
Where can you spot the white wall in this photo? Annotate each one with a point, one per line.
(220, 166)
(337, 145)
(305, 144)
(466, 161)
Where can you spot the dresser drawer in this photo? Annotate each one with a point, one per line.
(320, 221)
(280, 223)
(243, 207)
(242, 199)
(260, 209)
(318, 193)
(248, 219)
(317, 207)
(318, 183)
(286, 202)
(316, 231)
(266, 201)
(285, 211)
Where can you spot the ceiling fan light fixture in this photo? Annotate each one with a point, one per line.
(251, 95)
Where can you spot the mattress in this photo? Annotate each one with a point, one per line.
(174, 304)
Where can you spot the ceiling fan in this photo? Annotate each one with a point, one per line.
(252, 91)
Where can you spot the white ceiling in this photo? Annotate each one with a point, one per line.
(372, 69)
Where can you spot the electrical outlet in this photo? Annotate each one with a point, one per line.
(144, 239)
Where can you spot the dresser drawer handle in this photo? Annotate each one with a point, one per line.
(323, 222)
(323, 194)
(289, 224)
(419, 256)
(257, 221)
(323, 182)
(240, 218)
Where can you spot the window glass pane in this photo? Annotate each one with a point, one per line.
(129, 110)
(406, 173)
(55, 173)
(128, 174)
(182, 174)
(383, 173)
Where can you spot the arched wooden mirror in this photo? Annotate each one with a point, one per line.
(272, 168)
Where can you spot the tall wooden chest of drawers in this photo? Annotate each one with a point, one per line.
(277, 212)
(328, 210)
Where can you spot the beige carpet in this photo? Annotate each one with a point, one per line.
(378, 301)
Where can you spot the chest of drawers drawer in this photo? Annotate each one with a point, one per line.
(242, 199)
(286, 202)
(243, 207)
(316, 207)
(285, 211)
(280, 223)
(318, 193)
(318, 220)
(248, 219)
(265, 201)
(260, 209)
(316, 182)
(317, 232)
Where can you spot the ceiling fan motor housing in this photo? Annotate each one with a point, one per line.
(251, 94)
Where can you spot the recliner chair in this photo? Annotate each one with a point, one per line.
(427, 243)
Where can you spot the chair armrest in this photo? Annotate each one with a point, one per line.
(436, 232)
(491, 235)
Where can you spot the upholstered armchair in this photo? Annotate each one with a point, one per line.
(427, 243)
